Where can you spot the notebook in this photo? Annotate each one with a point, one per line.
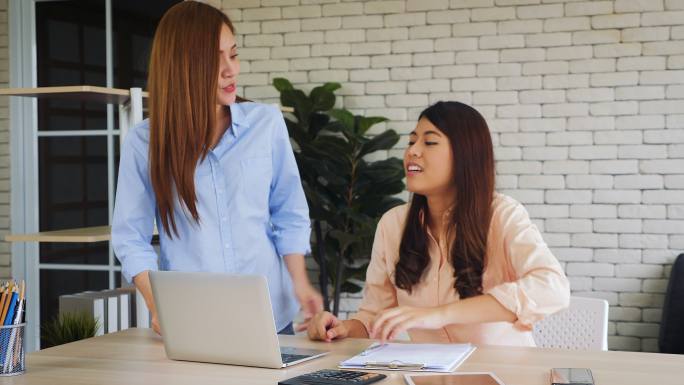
(410, 357)
(463, 378)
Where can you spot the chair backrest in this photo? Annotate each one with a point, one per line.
(582, 326)
(671, 337)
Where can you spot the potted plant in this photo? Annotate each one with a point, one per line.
(347, 193)
(69, 327)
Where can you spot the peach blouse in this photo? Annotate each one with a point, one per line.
(521, 273)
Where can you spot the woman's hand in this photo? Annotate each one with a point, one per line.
(142, 283)
(391, 322)
(155, 323)
(310, 300)
(326, 327)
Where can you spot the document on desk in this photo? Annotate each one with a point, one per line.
(410, 357)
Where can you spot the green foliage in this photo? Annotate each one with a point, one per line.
(346, 192)
(69, 327)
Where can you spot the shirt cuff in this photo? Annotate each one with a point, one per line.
(293, 242)
(511, 296)
(136, 265)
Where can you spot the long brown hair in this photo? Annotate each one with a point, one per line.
(182, 84)
(473, 166)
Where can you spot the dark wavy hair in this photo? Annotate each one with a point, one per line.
(473, 170)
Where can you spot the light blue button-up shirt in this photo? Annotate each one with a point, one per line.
(250, 201)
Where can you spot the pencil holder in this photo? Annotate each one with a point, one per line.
(12, 350)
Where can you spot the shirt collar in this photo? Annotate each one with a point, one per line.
(446, 219)
(238, 119)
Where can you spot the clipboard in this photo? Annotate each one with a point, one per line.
(441, 358)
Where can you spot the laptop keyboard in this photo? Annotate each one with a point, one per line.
(287, 358)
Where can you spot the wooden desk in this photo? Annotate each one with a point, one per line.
(136, 356)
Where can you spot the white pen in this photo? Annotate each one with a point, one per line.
(393, 365)
(372, 349)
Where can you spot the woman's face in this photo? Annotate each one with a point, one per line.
(229, 68)
(428, 161)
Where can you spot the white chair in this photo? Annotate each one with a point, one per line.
(582, 326)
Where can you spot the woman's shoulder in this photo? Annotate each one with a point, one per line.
(138, 137)
(394, 218)
(503, 201)
(254, 110)
(260, 117)
(506, 210)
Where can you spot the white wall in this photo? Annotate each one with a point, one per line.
(585, 100)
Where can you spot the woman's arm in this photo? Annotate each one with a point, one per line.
(290, 219)
(541, 287)
(479, 309)
(287, 202)
(133, 219)
(142, 283)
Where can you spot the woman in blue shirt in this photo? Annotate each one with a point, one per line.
(219, 176)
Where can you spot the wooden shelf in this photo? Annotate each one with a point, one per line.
(83, 94)
(80, 93)
(85, 234)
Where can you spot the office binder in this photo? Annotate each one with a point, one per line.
(142, 319)
(132, 304)
(111, 304)
(124, 306)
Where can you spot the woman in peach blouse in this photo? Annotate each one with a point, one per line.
(459, 263)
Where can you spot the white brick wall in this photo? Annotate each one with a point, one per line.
(584, 100)
(5, 270)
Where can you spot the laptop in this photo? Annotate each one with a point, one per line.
(220, 318)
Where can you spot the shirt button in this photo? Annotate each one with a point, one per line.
(224, 219)
(227, 245)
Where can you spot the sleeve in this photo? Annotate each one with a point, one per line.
(287, 203)
(379, 292)
(134, 211)
(540, 288)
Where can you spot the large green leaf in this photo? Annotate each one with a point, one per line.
(332, 86)
(291, 98)
(317, 122)
(296, 132)
(392, 188)
(343, 116)
(366, 123)
(322, 99)
(301, 103)
(379, 170)
(282, 84)
(332, 146)
(384, 141)
(379, 205)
